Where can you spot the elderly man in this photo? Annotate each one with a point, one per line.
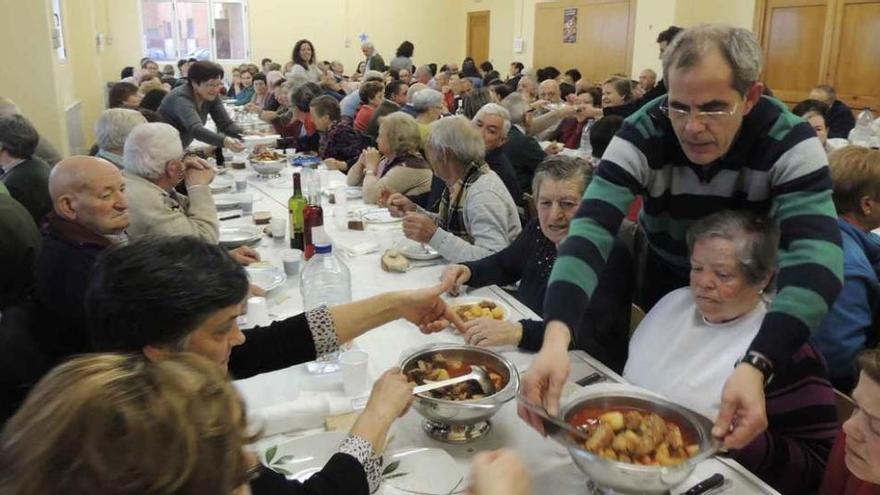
(111, 130)
(549, 112)
(45, 151)
(702, 149)
(664, 39)
(528, 87)
(352, 101)
(493, 122)
(840, 117)
(24, 175)
(647, 80)
(373, 60)
(154, 165)
(477, 216)
(408, 107)
(405, 76)
(423, 74)
(90, 214)
(521, 149)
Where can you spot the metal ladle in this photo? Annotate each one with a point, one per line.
(478, 374)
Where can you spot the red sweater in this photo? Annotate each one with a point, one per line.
(838, 480)
(363, 117)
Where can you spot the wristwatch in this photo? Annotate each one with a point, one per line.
(760, 362)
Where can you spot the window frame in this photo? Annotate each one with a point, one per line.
(212, 34)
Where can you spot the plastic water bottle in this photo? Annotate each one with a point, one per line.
(861, 134)
(325, 278)
(586, 148)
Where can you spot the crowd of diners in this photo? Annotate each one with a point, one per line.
(725, 216)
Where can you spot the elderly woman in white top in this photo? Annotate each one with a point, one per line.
(477, 216)
(154, 165)
(111, 130)
(689, 341)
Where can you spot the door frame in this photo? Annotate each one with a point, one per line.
(479, 13)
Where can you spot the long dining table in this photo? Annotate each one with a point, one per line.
(550, 466)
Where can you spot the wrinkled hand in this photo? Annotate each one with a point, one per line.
(489, 332)
(391, 395)
(743, 414)
(398, 204)
(539, 104)
(198, 171)
(245, 255)
(418, 227)
(371, 159)
(542, 383)
(553, 148)
(425, 308)
(454, 276)
(499, 472)
(384, 195)
(233, 145)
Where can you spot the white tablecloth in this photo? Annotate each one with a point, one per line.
(551, 469)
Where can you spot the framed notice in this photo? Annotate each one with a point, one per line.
(570, 25)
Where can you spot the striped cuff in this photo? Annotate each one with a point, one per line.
(323, 330)
(362, 450)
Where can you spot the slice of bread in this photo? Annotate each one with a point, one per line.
(393, 261)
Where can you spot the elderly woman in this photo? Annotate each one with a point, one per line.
(296, 126)
(372, 94)
(477, 216)
(397, 166)
(304, 61)
(617, 97)
(429, 105)
(687, 344)
(246, 94)
(111, 130)
(24, 175)
(854, 463)
(187, 417)
(341, 145)
(187, 108)
(154, 165)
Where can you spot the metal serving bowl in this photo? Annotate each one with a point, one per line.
(462, 421)
(633, 478)
(264, 167)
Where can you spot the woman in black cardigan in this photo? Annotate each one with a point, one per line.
(558, 186)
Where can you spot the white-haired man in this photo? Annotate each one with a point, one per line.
(154, 165)
(374, 61)
(423, 74)
(111, 130)
(493, 122)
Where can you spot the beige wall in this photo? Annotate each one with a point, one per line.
(652, 17)
(739, 13)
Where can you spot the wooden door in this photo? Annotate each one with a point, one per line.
(478, 36)
(854, 69)
(604, 39)
(793, 40)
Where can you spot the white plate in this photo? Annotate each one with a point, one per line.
(354, 192)
(422, 471)
(225, 202)
(232, 237)
(222, 183)
(266, 277)
(416, 250)
(471, 300)
(302, 457)
(380, 215)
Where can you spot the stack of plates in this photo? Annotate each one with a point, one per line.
(235, 236)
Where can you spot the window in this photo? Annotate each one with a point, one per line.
(201, 29)
(58, 31)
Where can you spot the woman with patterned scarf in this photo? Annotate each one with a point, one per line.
(477, 216)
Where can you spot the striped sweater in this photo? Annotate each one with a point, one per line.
(775, 165)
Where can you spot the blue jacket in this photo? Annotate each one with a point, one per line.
(848, 324)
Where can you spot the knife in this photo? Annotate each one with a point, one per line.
(707, 484)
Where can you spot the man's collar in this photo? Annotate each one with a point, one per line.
(112, 158)
(77, 233)
(10, 166)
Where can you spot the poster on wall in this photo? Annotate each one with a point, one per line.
(570, 26)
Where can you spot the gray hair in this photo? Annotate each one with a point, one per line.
(18, 136)
(370, 45)
(422, 69)
(113, 127)
(454, 139)
(562, 168)
(413, 90)
(498, 110)
(737, 45)
(516, 104)
(149, 148)
(373, 75)
(756, 238)
(426, 99)
(8, 107)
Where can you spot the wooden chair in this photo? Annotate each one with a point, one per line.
(636, 315)
(845, 406)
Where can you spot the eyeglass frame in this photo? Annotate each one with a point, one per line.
(701, 116)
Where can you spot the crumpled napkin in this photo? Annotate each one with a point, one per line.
(307, 412)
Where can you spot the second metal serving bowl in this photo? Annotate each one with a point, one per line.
(265, 167)
(462, 421)
(633, 478)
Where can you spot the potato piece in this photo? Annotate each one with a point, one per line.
(624, 458)
(632, 420)
(692, 449)
(673, 436)
(626, 442)
(614, 419)
(487, 312)
(600, 439)
(442, 374)
(654, 425)
(609, 454)
(663, 457)
(498, 313)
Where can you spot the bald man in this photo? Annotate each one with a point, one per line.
(90, 214)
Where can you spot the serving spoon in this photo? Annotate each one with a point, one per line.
(478, 374)
(552, 425)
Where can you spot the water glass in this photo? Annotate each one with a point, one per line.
(355, 377)
(246, 202)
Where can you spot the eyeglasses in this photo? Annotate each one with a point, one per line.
(705, 117)
(212, 85)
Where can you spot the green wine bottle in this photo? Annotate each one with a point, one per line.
(296, 205)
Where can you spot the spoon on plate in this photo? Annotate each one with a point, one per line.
(478, 374)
